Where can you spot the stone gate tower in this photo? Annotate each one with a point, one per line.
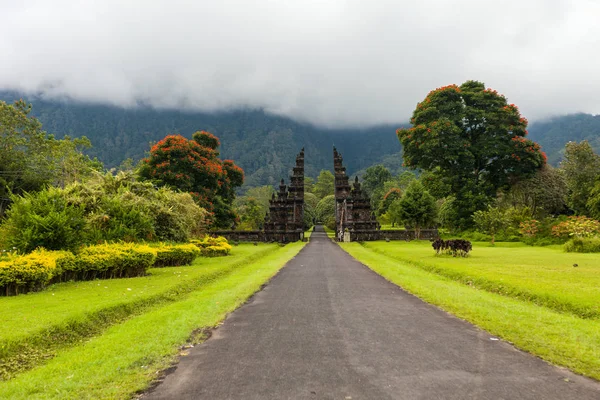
(354, 219)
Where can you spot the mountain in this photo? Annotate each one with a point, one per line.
(554, 133)
(264, 145)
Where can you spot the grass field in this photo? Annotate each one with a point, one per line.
(542, 275)
(512, 291)
(125, 355)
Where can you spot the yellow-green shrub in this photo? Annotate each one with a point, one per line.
(33, 271)
(172, 255)
(213, 246)
(583, 245)
(106, 261)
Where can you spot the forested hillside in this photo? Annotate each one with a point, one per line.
(263, 145)
(553, 134)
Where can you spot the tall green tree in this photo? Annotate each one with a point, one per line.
(475, 139)
(581, 168)
(31, 159)
(417, 207)
(325, 211)
(325, 184)
(193, 166)
(545, 193)
(374, 178)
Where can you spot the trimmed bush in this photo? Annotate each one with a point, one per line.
(107, 261)
(583, 245)
(173, 255)
(213, 246)
(33, 271)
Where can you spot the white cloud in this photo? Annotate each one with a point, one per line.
(336, 63)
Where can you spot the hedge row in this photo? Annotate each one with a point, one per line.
(213, 246)
(36, 270)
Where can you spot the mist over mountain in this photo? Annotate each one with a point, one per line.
(264, 145)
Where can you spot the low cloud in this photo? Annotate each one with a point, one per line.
(335, 63)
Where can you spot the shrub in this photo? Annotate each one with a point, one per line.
(213, 246)
(108, 261)
(529, 228)
(577, 226)
(106, 208)
(34, 271)
(583, 245)
(44, 219)
(172, 255)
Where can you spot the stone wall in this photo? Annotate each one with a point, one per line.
(259, 236)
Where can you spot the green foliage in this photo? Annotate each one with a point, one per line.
(174, 255)
(325, 184)
(474, 140)
(581, 167)
(436, 183)
(491, 221)
(105, 208)
(252, 207)
(193, 166)
(580, 227)
(394, 213)
(448, 214)
(390, 196)
(108, 261)
(45, 219)
(22, 274)
(373, 181)
(213, 246)
(31, 159)
(326, 211)
(416, 208)
(545, 193)
(593, 203)
(583, 245)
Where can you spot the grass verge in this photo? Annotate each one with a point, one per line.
(559, 338)
(127, 357)
(542, 275)
(35, 326)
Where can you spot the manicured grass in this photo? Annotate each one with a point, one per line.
(330, 232)
(542, 275)
(36, 325)
(563, 339)
(127, 357)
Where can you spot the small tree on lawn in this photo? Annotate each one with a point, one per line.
(491, 221)
(417, 207)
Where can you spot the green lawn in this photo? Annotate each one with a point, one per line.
(126, 358)
(542, 275)
(37, 325)
(562, 338)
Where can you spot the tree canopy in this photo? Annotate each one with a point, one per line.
(193, 166)
(31, 159)
(474, 140)
(325, 184)
(581, 168)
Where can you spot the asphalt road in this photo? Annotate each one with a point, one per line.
(326, 327)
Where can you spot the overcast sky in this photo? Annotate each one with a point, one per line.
(329, 62)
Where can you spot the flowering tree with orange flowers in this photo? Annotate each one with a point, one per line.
(474, 140)
(194, 166)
